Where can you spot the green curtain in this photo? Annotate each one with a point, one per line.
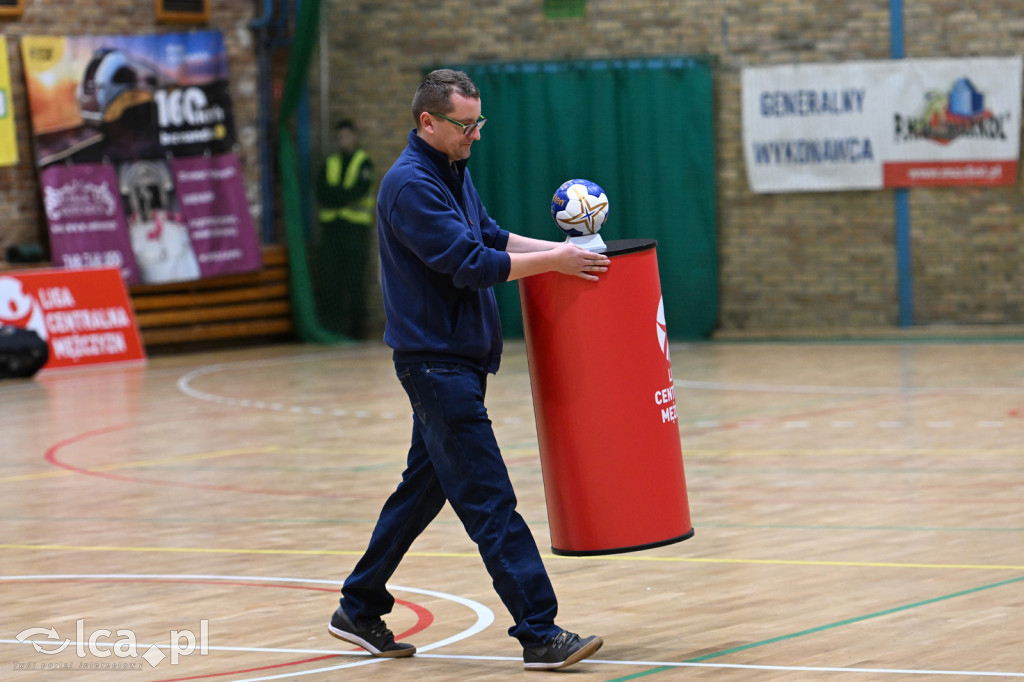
(642, 129)
(304, 315)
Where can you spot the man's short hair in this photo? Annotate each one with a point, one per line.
(435, 92)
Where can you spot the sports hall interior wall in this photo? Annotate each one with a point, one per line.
(811, 262)
(21, 217)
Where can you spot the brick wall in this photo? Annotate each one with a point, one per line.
(21, 218)
(824, 260)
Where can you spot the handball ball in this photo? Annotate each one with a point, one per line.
(579, 207)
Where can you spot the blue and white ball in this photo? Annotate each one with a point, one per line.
(579, 207)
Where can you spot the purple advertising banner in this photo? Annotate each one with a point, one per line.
(87, 222)
(212, 200)
(134, 141)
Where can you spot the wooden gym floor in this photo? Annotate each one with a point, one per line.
(858, 512)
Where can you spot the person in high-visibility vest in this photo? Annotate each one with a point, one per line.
(347, 205)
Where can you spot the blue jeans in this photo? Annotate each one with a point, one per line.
(454, 456)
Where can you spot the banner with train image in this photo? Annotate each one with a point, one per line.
(134, 142)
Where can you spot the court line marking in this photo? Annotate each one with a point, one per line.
(592, 661)
(52, 456)
(850, 452)
(903, 391)
(664, 667)
(274, 450)
(328, 521)
(184, 385)
(847, 390)
(850, 621)
(804, 424)
(484, 615)
(485, 618)
(547, 557)
(136, 464)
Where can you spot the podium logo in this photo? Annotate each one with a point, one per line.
(663, 329)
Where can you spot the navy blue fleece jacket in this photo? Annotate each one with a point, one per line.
(440, 255)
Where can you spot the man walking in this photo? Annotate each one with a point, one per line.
(441, 254)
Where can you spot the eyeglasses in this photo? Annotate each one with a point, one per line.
(467, 128)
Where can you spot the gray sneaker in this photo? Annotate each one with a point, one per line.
(376, 639)
(560, 651)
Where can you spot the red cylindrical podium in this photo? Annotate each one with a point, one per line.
(605, 406)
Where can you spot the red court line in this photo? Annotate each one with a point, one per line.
(52, 458)
(251, 670)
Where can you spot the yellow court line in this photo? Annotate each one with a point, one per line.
(33, 477)
(473, 555)
(180, 550)
(797, 562)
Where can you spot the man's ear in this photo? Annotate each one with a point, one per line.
(426, 122)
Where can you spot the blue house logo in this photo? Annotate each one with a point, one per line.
(965, 101)
(951, 114)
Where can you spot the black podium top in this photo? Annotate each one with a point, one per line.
(618, 247)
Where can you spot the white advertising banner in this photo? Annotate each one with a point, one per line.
(877, 124)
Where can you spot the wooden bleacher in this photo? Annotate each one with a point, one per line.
(242, 308)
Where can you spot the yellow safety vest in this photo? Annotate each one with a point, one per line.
(361, 211)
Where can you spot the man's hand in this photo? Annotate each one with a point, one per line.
(573, 260)
(534, 256)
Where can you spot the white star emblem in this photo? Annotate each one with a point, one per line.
(590, 209)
